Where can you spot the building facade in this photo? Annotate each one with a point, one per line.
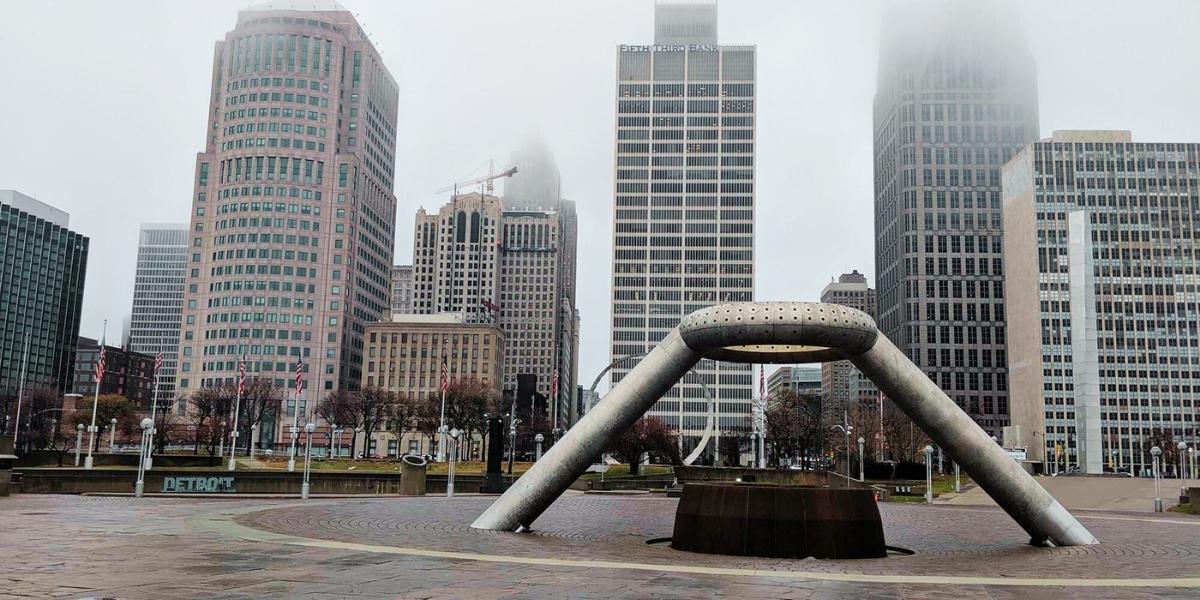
(537, 187)
(126, 373)
(1103, 252)
(804, 380)
(405, 356)
(530, 308)
(956, 98)
(402, 289)
(42, 269)
(158, 285)
(456, 258)
(293, 211)
(485, 264)
(684, 202)
(842, 384)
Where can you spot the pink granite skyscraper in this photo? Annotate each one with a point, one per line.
(293, 212)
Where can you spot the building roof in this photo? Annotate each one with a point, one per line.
(302, 5)
(34, 207)
(1091, 135)
(172, 226)
(685, 22)
(426, 319)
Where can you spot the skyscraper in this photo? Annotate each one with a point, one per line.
(684, 205)
(485, 264)
(1103, 274)
(842, 384)
(158, 285)
(538, 187)
(956, 98)
(42, 268)
(456, 258)
(538, 184)
(530, 308)
(293, 211)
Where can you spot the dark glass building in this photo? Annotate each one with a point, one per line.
(42, 268)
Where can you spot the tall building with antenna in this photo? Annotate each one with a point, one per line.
(684, 202)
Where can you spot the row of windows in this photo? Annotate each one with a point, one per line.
(258, 168)
(689, 268)
(711, 296)
(268, 191)
(689, 282)
(302, 209)
(626, 107)
(693, 200)
(681, 134)
(676, 90)
(277, 51)
(265, 238)
(260, 285)
(286, 113)
(691, 148)
(690, 255)
(265, 222)
(691, 120)
(677, 226)
(678, 161)
(678, 174)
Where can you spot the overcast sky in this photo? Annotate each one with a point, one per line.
(102, 110)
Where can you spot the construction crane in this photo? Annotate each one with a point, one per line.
(486, 180)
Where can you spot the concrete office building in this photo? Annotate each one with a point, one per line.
(405, 356)
(684, 203)
(1103, 279)
(293, 211)
(842, 384)
(402, 289)
(158, 285)
(42, 268)
(956, 98)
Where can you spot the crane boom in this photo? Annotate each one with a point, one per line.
(486, 180)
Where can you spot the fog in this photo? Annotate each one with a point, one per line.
(103, 104)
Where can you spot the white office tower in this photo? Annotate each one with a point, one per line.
(158, 299)
(684, 202)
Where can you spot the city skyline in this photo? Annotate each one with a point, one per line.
(1073, 94)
